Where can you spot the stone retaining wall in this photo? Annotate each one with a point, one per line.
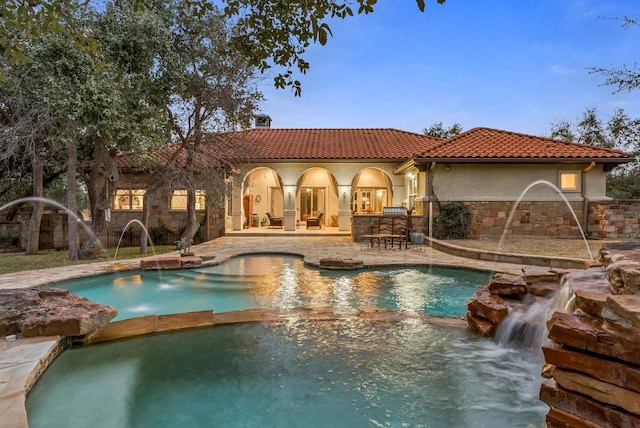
(614, 219)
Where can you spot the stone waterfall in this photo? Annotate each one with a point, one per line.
(587, 325)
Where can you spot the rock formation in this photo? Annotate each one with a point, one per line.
(592, 366)
(49, 312)
(340, 264)
(491, 303)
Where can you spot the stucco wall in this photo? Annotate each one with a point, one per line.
(507, 182)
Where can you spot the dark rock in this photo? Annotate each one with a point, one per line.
(583, 411)
(596, 336)
(508, 285)
(480, 325)
(488, 306)
(161, 263)
(49, 312)
(538, 274)
(543, 289)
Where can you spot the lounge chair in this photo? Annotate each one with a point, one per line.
(316, 220)
(275, 221)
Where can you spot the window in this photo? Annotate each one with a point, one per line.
(569, 181)
(369, 200)
(179, 200)
(312, 199)
(128, 199)
(412, 189)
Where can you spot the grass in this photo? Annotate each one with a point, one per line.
(19, 262)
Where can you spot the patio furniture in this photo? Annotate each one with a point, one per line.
(275, 221)
(388, 230)
(315, 221)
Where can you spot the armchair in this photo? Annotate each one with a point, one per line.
(274, 221)
(315, 221)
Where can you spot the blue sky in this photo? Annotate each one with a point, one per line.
(513, 65)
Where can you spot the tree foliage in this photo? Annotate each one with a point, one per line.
(438, 130)
(212, 90)
(619, 131)
(270, 32)
(38, 105)
(625, 77)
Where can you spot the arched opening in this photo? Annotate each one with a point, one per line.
(317, 191)
(262, 193)
(371, 190)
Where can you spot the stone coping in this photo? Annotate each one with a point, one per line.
(23, 360)
(524, 259)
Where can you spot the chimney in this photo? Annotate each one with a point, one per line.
(263, 121)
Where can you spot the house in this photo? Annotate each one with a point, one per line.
(353, 174)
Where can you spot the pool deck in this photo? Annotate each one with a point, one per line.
(22, 360)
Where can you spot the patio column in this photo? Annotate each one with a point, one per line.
(344, 208)
(289, 211)
(236, 210)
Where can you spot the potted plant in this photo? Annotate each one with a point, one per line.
(417, 238)
(184, 246)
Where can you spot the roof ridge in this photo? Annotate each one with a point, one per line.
(552, 140)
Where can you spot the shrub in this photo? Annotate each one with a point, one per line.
(454, 221)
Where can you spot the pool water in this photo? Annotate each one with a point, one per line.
(281, 282)
(349, 373)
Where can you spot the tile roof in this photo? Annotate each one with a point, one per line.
(493, 144)
(475, 145)
(366, 143)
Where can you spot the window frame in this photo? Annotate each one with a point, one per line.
(200, 195)
(412, 189)
(578, 181)
(131, 194)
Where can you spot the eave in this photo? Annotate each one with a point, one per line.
(615, 161)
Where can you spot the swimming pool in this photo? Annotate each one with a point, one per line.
(348, 373)
(279, 282)
(312, 373)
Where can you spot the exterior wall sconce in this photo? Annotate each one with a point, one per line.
(344, 195)
(448, 167)
(289, 195)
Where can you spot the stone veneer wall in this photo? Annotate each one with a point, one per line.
(530, 218)
(612, 219)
